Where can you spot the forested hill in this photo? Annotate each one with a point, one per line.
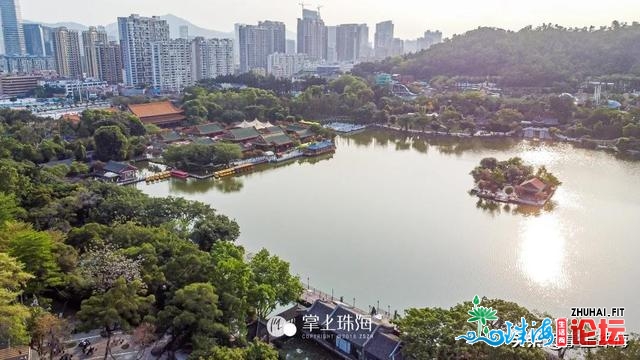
(538, 56)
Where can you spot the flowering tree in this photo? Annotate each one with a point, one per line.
(102, 267)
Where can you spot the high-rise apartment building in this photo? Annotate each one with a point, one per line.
(171, 65)
(34, 39)
(257, 42)
(291, 46)
(285, 65)
(365, 49)
(383, 39)
(351, 41)
(47, 33)
(109, 62)
(211, 58)
(312, 35)
(26, 64)
(66, 45)
(184, 32)
(136, 36)
(90, 40)
(397, 47)
(429, 38)
(12, 31)
(277, 35)
(332, 50)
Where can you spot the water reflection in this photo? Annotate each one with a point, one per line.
(542, 252)
(538, 154)
(420, 145)
(403, 143)
(428, 228)
(445, 144)
(226, 185)
(496, 208)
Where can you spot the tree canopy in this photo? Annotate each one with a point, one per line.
(534, 56)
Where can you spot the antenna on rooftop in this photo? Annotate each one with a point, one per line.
(319, 7)
(302, 4)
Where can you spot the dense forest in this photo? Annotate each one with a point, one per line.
(542, 56)
(117, 259)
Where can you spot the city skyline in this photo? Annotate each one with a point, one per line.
(452, 17)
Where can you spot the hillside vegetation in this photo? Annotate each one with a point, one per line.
(541, 56)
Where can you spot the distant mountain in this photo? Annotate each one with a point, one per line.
(69, 25)
(174, 25)
(545, 56)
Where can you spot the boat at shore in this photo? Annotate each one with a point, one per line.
(179, 174)
(319, 148)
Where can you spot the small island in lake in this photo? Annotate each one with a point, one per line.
(512, 181)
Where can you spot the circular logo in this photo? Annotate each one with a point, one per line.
(277, 326)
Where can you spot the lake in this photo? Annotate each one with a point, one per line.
(389, 220)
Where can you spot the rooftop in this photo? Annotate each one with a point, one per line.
(154, 109)
(211, 128)
(118, 167)
(170, 135)
(277, 139)
(241, 134)
(204, 141)
(383, 345)
(534, 183)
(357, 335)
(321, 309)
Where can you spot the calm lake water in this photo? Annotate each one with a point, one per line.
(389, 219)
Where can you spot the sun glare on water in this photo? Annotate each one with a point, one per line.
(542, 253)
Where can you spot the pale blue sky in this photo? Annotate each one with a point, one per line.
(411, 17)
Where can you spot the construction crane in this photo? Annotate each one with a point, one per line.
(302, 4)
(319, 7)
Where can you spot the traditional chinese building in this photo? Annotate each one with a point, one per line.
(161, 113)
(303, 133)
(241, 135)
(119, 172)
(278, 142)
(169, 136)
(209, 130)
(349, 333)
(531, 188)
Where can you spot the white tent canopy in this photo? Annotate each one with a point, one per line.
(255, 123)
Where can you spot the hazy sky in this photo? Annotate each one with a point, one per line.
(411, 17)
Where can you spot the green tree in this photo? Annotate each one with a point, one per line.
(122, 306)
(194, 319)
(210, 230)
(631, 130)
(259, 350)
(632, 351)
(110, 143)
(225, 153)
(13, 315)
(405, 122)
(8, 208)
(80, 152)
(273, 283)
(430, 333)
(232, 278)
(562, 107)
(254, 351)
(35, 250)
